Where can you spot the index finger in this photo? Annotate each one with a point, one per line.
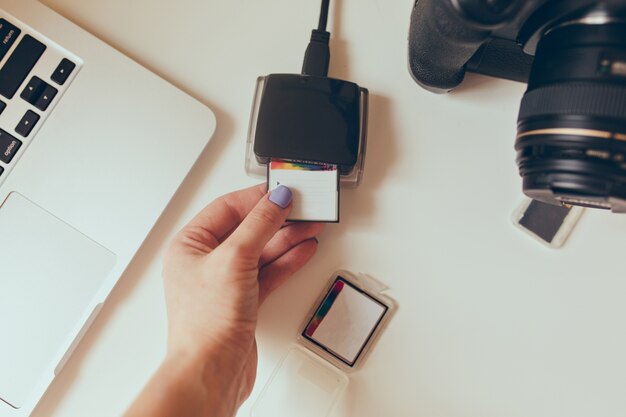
(222, 215)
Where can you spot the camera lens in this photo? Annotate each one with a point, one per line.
(571, 141)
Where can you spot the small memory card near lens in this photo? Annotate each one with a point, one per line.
(315, 188)
(550, 224)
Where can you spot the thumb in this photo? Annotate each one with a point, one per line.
(262, 223)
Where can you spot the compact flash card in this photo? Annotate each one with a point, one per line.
(315, 188)
(345, 321)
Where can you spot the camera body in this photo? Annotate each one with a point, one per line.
(571, 131)
(495, 38)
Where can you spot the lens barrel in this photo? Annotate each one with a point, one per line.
(571, 138)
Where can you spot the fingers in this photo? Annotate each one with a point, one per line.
(276, 273)
(205, 231)
(288, 237)
(226, 212)
(262, 223)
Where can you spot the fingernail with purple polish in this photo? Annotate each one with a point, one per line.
(281, 196)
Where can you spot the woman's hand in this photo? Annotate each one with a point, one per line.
(217, 272)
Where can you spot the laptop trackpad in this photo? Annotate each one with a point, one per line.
(49, 274)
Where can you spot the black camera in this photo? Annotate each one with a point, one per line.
(571, 130)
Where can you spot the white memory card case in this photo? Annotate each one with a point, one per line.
(336, 337)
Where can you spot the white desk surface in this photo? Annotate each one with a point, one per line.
(490, 322)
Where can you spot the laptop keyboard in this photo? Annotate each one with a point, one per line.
(40, 72)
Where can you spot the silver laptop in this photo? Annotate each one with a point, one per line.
(92, 148)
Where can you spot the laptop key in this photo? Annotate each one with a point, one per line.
(38, 93)
(1, 171)
(46, 97)
(8, 146)
(63, 71)
(33, 90)
(19, 64)
(8, 35)
(3, 106)
(27, 123)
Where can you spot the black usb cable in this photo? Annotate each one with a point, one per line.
(311, 116)
(317, 55)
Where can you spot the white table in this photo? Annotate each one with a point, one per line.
(490, 322)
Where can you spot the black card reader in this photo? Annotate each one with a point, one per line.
(309, 116)
(304, 117)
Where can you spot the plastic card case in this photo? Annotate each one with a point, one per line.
(350, 175)
(549, 224)
(334, 340)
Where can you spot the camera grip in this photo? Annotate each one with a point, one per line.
(440, 43)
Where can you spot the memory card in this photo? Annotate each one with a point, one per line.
(315, 188)
(549, 224)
